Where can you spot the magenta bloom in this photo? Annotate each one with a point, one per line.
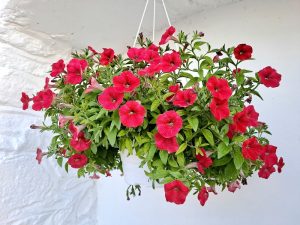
(219, 108)
(185, 98)
(43, 99)
(39, 155)
(251, 149)
(170, 62)
(269, 77)
(219, 88)
(203, 196)
(136, 54)
(167, 144)
(169, 124)
(75, 69)
(110, 98)
(79, 142)
(233, 186)
(167, 35)
(25, 100)
(132, 114)
(77, 161)
(176, 192)
(126, 82)
(107, 56)
(57, 68)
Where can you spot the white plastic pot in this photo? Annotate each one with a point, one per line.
(133, 174)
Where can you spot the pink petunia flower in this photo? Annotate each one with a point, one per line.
(132, 114)
(110, 98)
(169, 124)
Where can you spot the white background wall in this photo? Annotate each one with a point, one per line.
(32, 194)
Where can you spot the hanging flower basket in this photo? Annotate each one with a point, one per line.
(185, 111)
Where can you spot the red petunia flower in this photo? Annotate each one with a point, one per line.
(167, 35)
(167, 144)
(150, 70)
(136, 54)
(169, 124)
(77, 161)
(251, 149)
(170, 62)
(107, 56)
(132, 114)
(280, 164)
(176, 192)
(231, 131)
(110, 98)
(126, 82)
(203, 161)
(203, 196)
(75, 68)
(151, 56)
(153, 47)
(25, 100)
(79, 142)
(39, 155)
(243, 52)
(266, 171)
(57, 68)
(185, 98)
(233, 186)
(269, 155)
(247, 117)
(43, 99)
(269, 77)
(219, 88)
(173, 89)
(219, 108)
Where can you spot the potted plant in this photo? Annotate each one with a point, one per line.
(184, 111)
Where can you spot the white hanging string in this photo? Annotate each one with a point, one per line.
(163, 2)
(153, 22)
(153, 31)
(137, 34)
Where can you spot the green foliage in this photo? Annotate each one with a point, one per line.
(200, 130)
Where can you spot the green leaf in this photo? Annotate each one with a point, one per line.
(182, 147)
(191, 82)
(198, 44)
(155, 105)
(151, 152)
(94, 148)
(164, 156)
(238, 159)
(122, 133)
(194, 122)
(221, 162)
(60, 161)
(181, 159)
(67, 167)
(111, 135)
(128, 144)
(240, 79)
(208, 136)
(230, 172)
(172, 162)
(223, 150)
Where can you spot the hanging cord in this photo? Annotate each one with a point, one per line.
(163, 2)
(153, 25)
(137, 34)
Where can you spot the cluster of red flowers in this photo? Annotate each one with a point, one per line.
(221, 92)
(252, 150)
